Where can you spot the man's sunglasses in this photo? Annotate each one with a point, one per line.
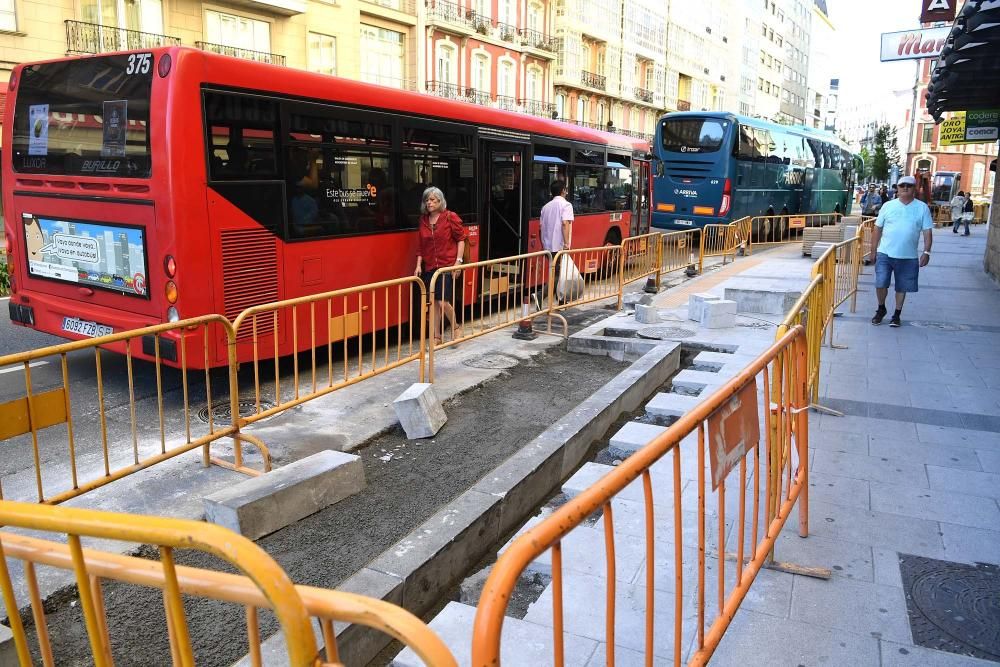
(904, 185)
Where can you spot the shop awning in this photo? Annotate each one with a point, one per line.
(967, 77)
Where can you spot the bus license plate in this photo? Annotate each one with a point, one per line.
(85, 327)
(684, 222)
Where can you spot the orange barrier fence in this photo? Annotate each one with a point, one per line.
(471, 300)
(787, 228)
(375, 328)
(261, 584)
(76, 458)
(641, 258)
(741, 450)
(808, 312)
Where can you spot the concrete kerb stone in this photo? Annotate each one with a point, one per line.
(420, 412)
(8, 653)
(696, 303)
(261, 505)
(431, 558)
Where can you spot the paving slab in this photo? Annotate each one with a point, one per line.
(917, 452)
(861, 607)
(871, 468)
(964, 481)
(971, 545)
(936, 505)
(894, 654)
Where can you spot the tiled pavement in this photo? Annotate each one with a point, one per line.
(913, 467)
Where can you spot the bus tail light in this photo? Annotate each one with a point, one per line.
(173, 315)
(668, 208)
(170, 291)
(703, 210)
(727, 191)
(170, 266)
(163, 67)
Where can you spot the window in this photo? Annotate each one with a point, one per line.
(505, 78)
(445, 70)
(237, 31)
(481, 72)
(384, 56)
(435, 155)
(533, 84)
(928, 133)
(505, 12)
(322, 53)
(561, 105)
(141, 15)
(581, 109)
(693, 135)
(535, 17)
(978, 174)
(589, 192)
(8, 16)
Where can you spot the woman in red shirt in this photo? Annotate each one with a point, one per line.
(442, 242)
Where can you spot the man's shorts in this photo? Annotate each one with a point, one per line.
(905, 271)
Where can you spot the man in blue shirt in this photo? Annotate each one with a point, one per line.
(900, 224)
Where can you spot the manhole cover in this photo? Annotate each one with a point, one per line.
(665, 333)
(222, 414)
(940, 326)
(491, 360)
(953, 607)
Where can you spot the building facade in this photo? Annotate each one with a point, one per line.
(702, 51)
(822, 67)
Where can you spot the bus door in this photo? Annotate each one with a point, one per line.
(640, 216)
(503, 209)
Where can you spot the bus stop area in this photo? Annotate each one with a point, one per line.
(903, 489)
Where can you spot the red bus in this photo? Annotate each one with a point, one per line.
(147, 187)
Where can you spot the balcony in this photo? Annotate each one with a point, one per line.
(245, 54)
(480, 97)
(683, 105)
(446, 90)
(82, 38)
(507, 103)
(447, 11)
(643, 94)
(537, 40)
(592, 80)
(536, 108)
(408, 7)
(507, 32)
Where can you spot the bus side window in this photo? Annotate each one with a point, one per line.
(817, 153)
(241, 137)
(761, 140)
(747, 147)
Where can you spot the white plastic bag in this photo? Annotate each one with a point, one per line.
(570, 283)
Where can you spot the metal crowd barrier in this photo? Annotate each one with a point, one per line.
(728, 427)
(261, 584)
(808, 312)
(47, 419)
(377, 327)
(640, 258)
(487, 296)
(680, 250)
(604, 266)
(787, 228)
(719, 240)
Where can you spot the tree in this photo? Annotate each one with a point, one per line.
(866, 168)
(886, 155)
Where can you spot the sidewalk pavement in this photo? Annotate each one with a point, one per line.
(911, 472)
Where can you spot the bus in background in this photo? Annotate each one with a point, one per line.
(154, 186)
(715, 167)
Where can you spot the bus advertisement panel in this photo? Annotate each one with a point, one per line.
(713, 167)
(154, 186)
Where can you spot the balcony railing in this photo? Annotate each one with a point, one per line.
(245, 54)
(447, 11)
(94, 38)
(404, 6)
(643, 94)
(507, 103)
(683, 105)
(537, 40)
(592, 80)
(480, 22)
(480, 97)
(536, 108)
(507, 32)
(447, 90)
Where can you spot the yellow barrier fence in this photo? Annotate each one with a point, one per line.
(261, 584)
(471, 300)
(744, 234)
(766, 229)
(605, 265)
(641, 256)
(740, 452)
(719, 240)
(808, 312)
(865, 231)
(79, 455)
(351, 334)
(680, 250)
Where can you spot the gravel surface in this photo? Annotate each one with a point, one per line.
(407, 482)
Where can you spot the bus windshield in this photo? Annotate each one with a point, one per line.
(693, 135)
(84, 117)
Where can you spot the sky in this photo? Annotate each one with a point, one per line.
(860, 24)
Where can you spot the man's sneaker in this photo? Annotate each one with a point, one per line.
(894, 322)
(879, 315)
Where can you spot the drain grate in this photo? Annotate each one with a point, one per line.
(665, 333)
(939, 326)
(953, 607)
(491, 360)
(222, 414)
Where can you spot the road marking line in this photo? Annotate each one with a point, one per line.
(20, 367)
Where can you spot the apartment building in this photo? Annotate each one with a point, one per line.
(703, 48)
(822, 67)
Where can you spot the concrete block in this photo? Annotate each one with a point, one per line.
(261, 505)
(697, 383)
(819, 248)
(671, 405)
(696, 303)
(8, 654)
(419, 411)
(646, 314)
(632, 299)
(762, 296)
(718, 314)
(632, 437)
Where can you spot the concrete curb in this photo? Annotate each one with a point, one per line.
(420, 568)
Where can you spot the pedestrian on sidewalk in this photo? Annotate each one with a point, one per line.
(957, 203)
(870, 201)
(967, 212)
(900, 224)
(556, 221)
(442, 238)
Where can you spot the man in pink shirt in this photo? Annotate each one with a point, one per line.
(556, 220)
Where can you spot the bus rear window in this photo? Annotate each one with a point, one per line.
(85, 117)
(693, 135)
